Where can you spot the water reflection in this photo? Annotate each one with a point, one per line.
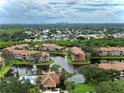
(27, 70)
(78, 78)
(61, 61)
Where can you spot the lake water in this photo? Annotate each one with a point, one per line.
(27, 70)
(59, 60)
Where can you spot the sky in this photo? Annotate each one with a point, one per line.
(57, 11)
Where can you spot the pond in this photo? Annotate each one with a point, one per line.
(78, 78)
(61, 61)
(23, 70)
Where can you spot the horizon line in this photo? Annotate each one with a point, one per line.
(52, 23)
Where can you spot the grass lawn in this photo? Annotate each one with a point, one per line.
(56, 52)
(5, 70)
(18, 62)
(11, 30)
(83, 88)
(4, 44)
(120, 82)
(85, 62)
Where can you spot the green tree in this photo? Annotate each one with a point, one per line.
(65, 76)
(12, 85)
(95, 75)
(109, 87)
(38, 81)
(88, 55)
(69, 88)
(34, 90)
(66, 83)
(7, 56)
(55, 68)
(69, 85)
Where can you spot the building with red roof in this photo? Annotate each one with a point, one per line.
(110, 51)
(77, 54)
(50, 80)
(49, 47)
(119, 66)
(20, 53)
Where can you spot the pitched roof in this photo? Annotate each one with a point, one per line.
(51, 79)
(16, 46)
(42, 54)
(116, 66)
(77, 50)
(111, 49)
(20, 46)
(52, 46)
(22, 52)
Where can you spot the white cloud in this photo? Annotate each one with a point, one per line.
(60, 8)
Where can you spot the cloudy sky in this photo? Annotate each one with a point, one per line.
(53, 11)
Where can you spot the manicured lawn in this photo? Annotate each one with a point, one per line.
(85, 62)
(56, 52)
(5, 70)
(79, 63)
(17, 62)
(83, 88)
(120, 82)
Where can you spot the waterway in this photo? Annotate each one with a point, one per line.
(59, 60)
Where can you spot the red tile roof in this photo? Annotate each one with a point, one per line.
(52, 46)
(76, 50)
(51, 79)
(16, 46)
(116, 66)
(20, 46)
(23, 52)
(111, 49)
(42, 54)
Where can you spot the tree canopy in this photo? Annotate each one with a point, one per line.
(109, 87)
(94, 74)
(13, 85)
